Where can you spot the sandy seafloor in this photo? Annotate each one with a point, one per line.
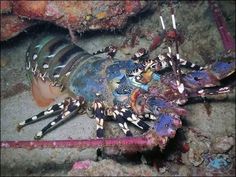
(202, 42)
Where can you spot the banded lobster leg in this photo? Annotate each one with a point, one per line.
(65, 110)
(210, 80)
(110, 50)
(53, 110)
(124, 114)
(121, 115)
(167, 114)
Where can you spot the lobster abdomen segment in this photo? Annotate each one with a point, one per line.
(49, 62)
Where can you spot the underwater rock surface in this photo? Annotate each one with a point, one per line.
(205, 133)
(77, 16)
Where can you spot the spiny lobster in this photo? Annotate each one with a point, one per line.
(137, 94)
(122, 90)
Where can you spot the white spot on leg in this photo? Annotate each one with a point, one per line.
(180, 87)
(192, 65)
(56, 76)
(39, 134)
(125, 126)
(153, 117)
(66, 113)
(45, 66)
(53, 123)
(34, 118)
(35, 68)
(48, 112)
(224, 90)
(22, 123)
(179, 102)
(61, 106)
(35, 56)
(68, 73)
(77, 103)
(28, 67)
(121, 125)
(200, 91)
(169, 54)
(183, 62)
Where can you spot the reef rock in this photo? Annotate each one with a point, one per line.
(77, 16)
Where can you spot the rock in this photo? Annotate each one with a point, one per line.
(218, 163)
(4, 62)
(81, 165)
(162, 170)
(12, 25)
(77, 16)
(5, 7)
(113, 168)
(195, 157)
(223, 144)
(184, 171)
(197, 148)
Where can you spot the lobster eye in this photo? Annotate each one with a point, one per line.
(196, 79)
(166, 125)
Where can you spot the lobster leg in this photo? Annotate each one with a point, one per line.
(129, 116)
(71, 108)
(140, 55)
(110, 50)
(211, 77)
(121, 122)
(53, 110)
(99, 113)
(190, 65)
(174, 62)
(149, 116)
(214, 91)
(166, 113)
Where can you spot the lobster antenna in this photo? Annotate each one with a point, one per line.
(163, 27)
(132, 144)
(178, 71)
